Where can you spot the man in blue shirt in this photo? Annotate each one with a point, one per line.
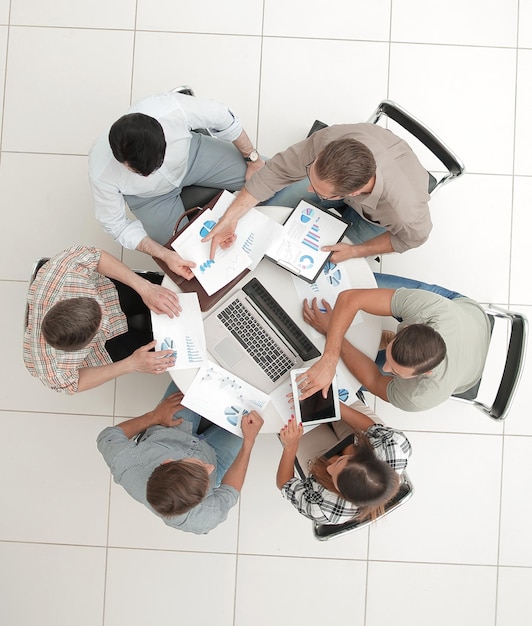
(190, 481)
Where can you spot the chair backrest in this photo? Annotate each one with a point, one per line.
(36, 267)
(323, 532)
(194, 195)
(513, 366)
(415, 127)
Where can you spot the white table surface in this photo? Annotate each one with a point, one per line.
(279, 282)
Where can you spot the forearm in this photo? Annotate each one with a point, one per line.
(243, 203)
(355, 419)
(382, 244)
(365, 370)
(136, 425)
(235, 475)
(244, 144)
(91, 377)
(154, 249)
(285, 471)
(111, 267)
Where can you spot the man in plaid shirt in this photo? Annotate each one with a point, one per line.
(77, 334)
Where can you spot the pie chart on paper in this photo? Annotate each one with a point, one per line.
(307, 214)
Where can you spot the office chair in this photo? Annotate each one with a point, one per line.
(513, 367)
(416, 128)
(322, 436)
(194, 195)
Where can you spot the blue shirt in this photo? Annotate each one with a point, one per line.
(132, 464)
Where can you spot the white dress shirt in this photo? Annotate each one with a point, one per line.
(110, 180)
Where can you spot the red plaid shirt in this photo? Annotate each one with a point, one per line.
(70, 274)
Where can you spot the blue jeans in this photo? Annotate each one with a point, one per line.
(225, 444)
(388, 281)
(359, 230)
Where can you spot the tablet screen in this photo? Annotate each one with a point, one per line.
(317, 408)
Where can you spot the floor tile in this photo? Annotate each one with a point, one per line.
(22, 392)
(465, 215)
(156, 69)
(523, 124)
(404, 594)
(59, 585)
(352, 20)
(132, 525)
(92, 66)
(286, 110)
(66, 501)
(461, 75)
(287, 533)
(495, 24)
(61, 215)
(512, 604)
(3, 51)
(516, 507)
(137, 394)
(209, 16)
(4, 11)
(98, 14)
(267, 591)
(169, 588)
(456, 481)
(520, 292)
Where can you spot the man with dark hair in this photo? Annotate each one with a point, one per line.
(440, 348)
(80, 333)
(151, 153)
(191, 481)
(365, 171)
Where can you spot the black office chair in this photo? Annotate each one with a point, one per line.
(417, 129)
(513, 367)
(194, 195)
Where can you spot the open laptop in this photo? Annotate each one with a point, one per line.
(253, 337)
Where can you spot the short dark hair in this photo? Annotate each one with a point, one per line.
(176, 487)
(347, 164)
(138, 140)
(418, 346)
(71, 324)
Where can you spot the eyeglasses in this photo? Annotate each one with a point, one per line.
(320, 197)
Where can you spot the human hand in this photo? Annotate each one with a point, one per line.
(251, 424)
(342, 252)
(223, 235)
(290, 435)
(180, 266)
(142, 360)
(319, 319)
(166, 409)
(160, 300)
(253, 166)
(318, 377)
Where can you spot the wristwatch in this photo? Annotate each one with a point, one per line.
(252, 157)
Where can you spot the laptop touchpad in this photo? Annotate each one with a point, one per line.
(228, 352)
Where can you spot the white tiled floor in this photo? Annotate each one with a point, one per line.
(77, 550)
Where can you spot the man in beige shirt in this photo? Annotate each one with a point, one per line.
(363, 166)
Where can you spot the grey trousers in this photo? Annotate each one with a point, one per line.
(211, 163)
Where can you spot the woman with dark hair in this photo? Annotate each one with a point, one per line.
(356, 483)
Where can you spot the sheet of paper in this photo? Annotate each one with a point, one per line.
(184, 334)
(223, 398)
(307, 229)
(213, 274)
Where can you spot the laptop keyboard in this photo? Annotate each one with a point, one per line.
(257, 342)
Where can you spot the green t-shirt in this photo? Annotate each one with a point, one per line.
(465, 328)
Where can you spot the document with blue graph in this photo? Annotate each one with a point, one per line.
(183, 334)
(307, 229)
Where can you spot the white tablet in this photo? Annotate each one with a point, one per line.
(315, 409)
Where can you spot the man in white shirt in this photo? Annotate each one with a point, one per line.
(151, 153)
